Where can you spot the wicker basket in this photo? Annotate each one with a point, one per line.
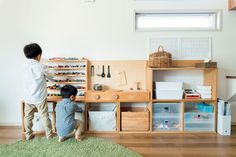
(160, 59)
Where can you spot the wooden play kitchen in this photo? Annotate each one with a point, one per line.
(129, 100)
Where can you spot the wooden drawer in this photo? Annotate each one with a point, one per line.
(135, 119)
(139, 96)
(94, 96)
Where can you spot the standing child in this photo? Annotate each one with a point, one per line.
(35, 90)
(66, 124)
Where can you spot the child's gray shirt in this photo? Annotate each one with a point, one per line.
(65, 116)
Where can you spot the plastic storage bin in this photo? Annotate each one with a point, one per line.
(166, 117)
(166, 124)
(102, 117)
(196, 121)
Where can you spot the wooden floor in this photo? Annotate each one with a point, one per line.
(155, 145)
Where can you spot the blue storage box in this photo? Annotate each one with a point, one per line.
(204, 107)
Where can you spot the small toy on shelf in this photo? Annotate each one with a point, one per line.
(191, 94)
(70, 70)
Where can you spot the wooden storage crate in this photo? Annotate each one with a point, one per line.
(135, 119)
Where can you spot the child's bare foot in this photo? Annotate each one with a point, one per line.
(61, 139)
(78, 138)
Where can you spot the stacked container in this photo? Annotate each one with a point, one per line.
(204, 91)
(166, 117)
(168, 90)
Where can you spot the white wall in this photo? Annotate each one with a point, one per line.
(101, 30)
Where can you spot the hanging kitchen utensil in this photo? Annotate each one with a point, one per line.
(103, 71)
(98, 71)
(92, 70)
(108, 73)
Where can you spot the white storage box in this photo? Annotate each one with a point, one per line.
(78, 115)
(102, 117)
(168, 85)
(37, 122)
(224, 124)
(168, 94)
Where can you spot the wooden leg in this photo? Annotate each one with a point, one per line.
(118, 118)
(86, 117)
(22, 119)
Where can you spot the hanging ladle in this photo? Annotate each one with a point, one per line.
(103, 71)
(108, 72)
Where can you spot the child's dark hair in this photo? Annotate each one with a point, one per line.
(32, 50)
(68, 90)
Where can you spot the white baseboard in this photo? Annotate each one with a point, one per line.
(10, 124)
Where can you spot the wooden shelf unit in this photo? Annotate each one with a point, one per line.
(210, 78)
(143, 96)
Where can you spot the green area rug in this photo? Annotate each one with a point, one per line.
(89, 147)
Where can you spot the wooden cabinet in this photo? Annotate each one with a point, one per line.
(232, 4)
(139, 96)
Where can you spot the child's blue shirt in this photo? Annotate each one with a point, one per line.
(65, 116)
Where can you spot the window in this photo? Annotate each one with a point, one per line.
(201, 20)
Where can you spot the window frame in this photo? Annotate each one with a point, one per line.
(217, 20)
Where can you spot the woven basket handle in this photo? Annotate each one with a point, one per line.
(160, 47)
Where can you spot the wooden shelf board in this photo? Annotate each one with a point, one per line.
(181, 68)
(167, 100)
(198, 100)
(70, 75)
(100, 101)
(58, 98)
(66, 82)
(184, 100)
(61, 60)
(59, 89)
(67, 68)
(170, 132)
(100, 132)
(200, 132)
